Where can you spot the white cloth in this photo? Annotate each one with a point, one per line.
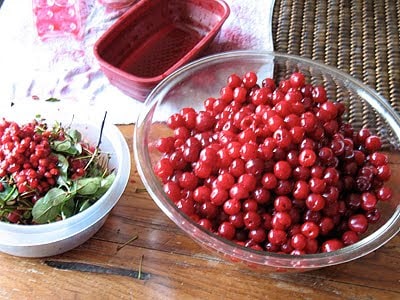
(32, 70)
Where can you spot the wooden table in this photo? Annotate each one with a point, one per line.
(175, 267)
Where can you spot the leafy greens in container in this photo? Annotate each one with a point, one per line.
(48, 173)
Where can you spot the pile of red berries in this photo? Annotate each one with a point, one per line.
(28, 163)
(274, 167)
(26, 156)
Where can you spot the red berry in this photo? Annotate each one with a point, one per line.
(281, 220)
(298, 241)
(319, 94)
(252, 220)
(282, 170)
(232, 206)
(297, 80)
(378, 159)
(384, 193)
(257, 235)
(175, 121)
(368, 201)
(282, 204)
(234, 81)
(218, 196)
(188, 181)
(249, 80)
(277, 236)
(227, 230)
(173, 191)
(310, 230)
(358, 223)
(201, 194)
(331, 245)
(373, 143)
(238, 191)
(350, 237)
(307, 158)
(315, 202)
(301, 190)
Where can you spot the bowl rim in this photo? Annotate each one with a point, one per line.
(69, 227)
(367, 244)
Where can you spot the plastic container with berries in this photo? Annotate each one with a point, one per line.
(60, 177)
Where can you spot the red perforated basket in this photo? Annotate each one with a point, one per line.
(154, 38)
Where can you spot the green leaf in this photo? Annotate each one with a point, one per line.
(52, 99)
(68, 208)
(75, 135)
(62, 146)
(108, 181)
(88, 186)
(105, 185)
(47, 208)
(27, 215)
(86, 204)
(65, 146)
(78, 148)
(62, 165)
(10, 193)
(57, 126)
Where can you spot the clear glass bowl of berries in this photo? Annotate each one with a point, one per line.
(272, 160)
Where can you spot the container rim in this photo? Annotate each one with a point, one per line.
(16, 235)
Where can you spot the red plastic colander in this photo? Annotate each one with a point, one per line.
(154, 38)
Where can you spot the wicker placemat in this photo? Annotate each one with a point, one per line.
(358, 37)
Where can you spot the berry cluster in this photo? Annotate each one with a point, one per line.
(28, 163)
(274, 167)
(25, 155)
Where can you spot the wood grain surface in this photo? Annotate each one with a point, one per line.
(172, 266)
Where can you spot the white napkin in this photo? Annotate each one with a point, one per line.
(32, 71)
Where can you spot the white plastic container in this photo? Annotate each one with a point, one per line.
(58, 237)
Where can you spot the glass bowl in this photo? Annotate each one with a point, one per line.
(192, 84)
(45, 240)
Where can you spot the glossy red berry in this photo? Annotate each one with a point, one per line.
(298, 241)
(358, 223)
(307, 158)
(315, 202)
(368, 201)
(252, 220)
(384, 193)
(297, 80)
(277, 236)
(234, 81)
(250, 80)
(281, 220)
(350, 237)
(173, 191)
(319, 94)
(227, 230)
(202, 194)
(282, 204)
(282, 170)
(310, 230)
(332, 245)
